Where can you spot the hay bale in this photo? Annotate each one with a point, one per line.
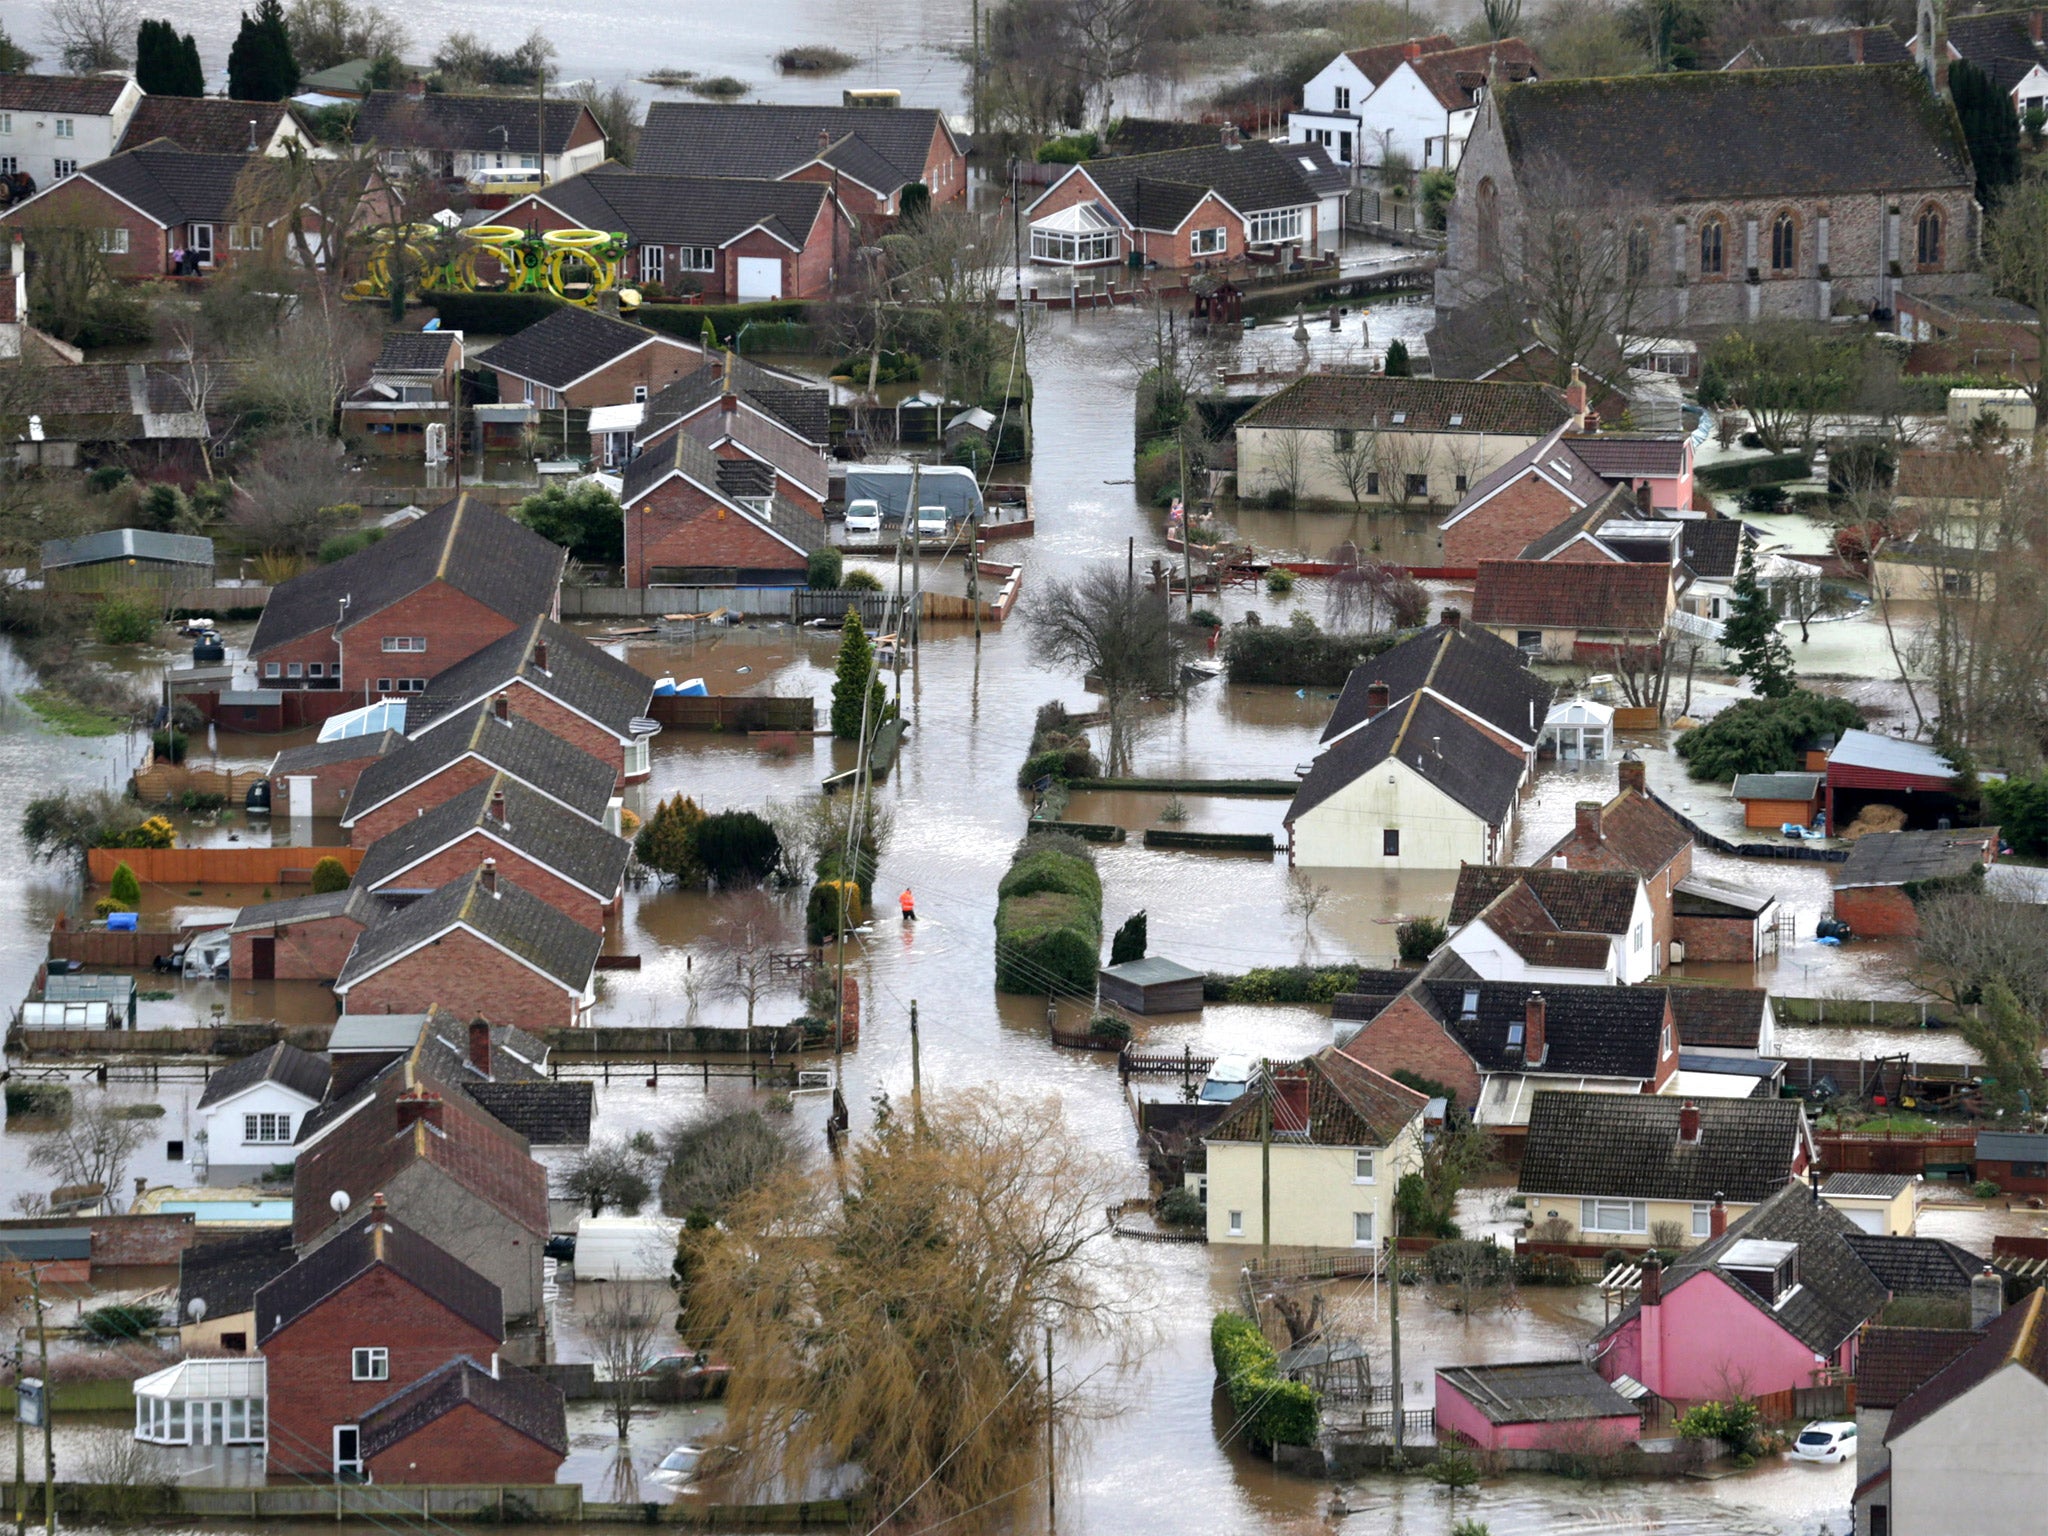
(1875, 818)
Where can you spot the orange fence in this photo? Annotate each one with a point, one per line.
(1638, 719)
(218, 866)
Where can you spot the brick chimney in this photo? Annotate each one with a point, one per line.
(253, 145)
(1987, 1298)
(1717, 1218)
(415, 87)
(1643, 502)
(1653, 1280)
(1589, 820)
(1535, 1044)
(540, 655)
(501, 706)
(1575, 398)
(1412, 49)
(380, 1213)
(1856, 45)
(1689, 1123)
(825, 137)
(2034, 25)
(1633, 775)
(1377, 697)
(1290, 1109)
(498, 806)
(416, 1104)
(1450, 618)
(480, 1045)
(487, 877)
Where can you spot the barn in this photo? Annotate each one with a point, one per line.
(1867, 769)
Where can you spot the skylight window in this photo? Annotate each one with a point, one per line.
(1400, 417)
(1457, 418)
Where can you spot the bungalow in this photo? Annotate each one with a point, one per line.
(1655, 1171)
(573, 864)
(1865, 768)
(391, 616)
(783, 404)
(1416, 787)
(467, 1423)
(1571, 609)
(1495, 1044)
(802, 474)
(1875, 886)
(1534, 1405)
(869, 158)
(554, 677)
(1775, 1303)
(1184, 208)
(302, 938)
(1523, 496)
(1401, 442)
(1634, 834)
(216, 125)
(415, 383)
(578, 358)
(694, 518)
(722, 237)
(478, 945)
(248, 1114)
(1342, 1135)
(1551, 925)
(461, 138)
(465, 750)
(317, 779)
(223, 1275)
(1468, 669)
(163, 412)
(1893, 1363)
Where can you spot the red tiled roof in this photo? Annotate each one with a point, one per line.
(1542, 595)
(1379, 62)
(2019, 1337)
(1635, 832)
(1894, 1363)
(1454, 75)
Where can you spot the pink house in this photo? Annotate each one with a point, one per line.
(1537, 1405)
(1776, 1302)
(1663, 464)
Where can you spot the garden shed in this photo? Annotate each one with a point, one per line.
(1579, 730)
(1534, 1405)
(1867, 769)
(1773, 799)
(1151, 986)
(2016, 1161)
(123, 559)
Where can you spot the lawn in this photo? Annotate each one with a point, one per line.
(66, 714)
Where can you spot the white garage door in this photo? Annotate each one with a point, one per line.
(1869, 1221)
(760, 277)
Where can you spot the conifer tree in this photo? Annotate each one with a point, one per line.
(851, 685)
(1750, 635)
(260, 65)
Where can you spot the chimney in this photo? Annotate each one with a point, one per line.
(1534, 1043)
(480, 1045)
(1856, 45)
(487, 877)
(1643, 504)
(380, 1213)
(1575, 397)
(253, 145)
(1412, 49)
(1689, 1124)
(1653, 1280)
(2034, 25)
(1987, 1297)
(824, 140)
(1717, 1218)
(1633, 775)
(501, 706)
(1377, 697)
(1450, 618)
(540, 655)
(415, 87)
(416, 1104)
(498, 806)
(1588, 815)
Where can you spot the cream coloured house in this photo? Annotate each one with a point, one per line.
(1342, 1134)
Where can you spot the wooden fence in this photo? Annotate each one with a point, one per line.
(132, 951)
(218, 866)
(1638, 719)
(734, 712)
(1847, 1152)
(1186, 1063)
(161, 783)
(227, 1040)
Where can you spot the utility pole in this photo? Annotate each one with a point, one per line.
(20, 1450)
(35, 1282)
(1265, 1161)
(974, 571)
(1394, 1315)
(1051, 1486)
(916, 1075)
(916, 548)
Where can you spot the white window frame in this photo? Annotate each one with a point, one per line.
(114, 242)
(1362, 1226)
(6, 122)
(414, 644)
(351, 1465)
(245, 237)
(653, 263)
(1702, 1219)
(1596, 1215)
(1341, 95)
(1236, 1226)
(1275, 226)
(267, 1130)
(63, 167)
(1362, 1170)
(1636, 939)
(369, 1362)
(271, 669)
(636, 758)
(1210, 242)
(67, 127)
(696, 258)
(295, 669)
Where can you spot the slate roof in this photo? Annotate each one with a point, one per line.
(1839, 46)
(1577, 900)
(1150, 135)
(368, 1243)
(87, 95)
(1537, 1392)
(1894, 1363)
(120, 402)
(546, 1114)
(227, 1273)
(1712, 546)
(1159, 191)
(1627, 456)
(1551, 454)
(1380, 61)
(1729, 1017)
(437, 120)
(552, 942)
(1328, 401)
(1896, 858)
(1521, 920)
(172, 185)
(1707, 136)
(2018, 1336)
(1471, 667)
(688, 210)
(127, 544)
(513, 1397)
(529, 752)
(1883, 1186)
(2000, 44)
(354, 902)
(473, 546)
(1635, 832)
(1456, 76)
(417, 351)
(572, 846)
(570, 344)
(1626, 1146)
(1589, 1031)
(437, 1049)
(343, 749)
(2011, 1147)
(805, 409)
(682, 453)
(209, 125)
(1349, 1105)
(1606, 599)
(283, 1063)
(1444, 748)
(1916, 1266)
(883, 150)
(1778, 786)
(578, 674)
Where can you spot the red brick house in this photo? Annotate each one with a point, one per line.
(359, 1336)
(303, 938)
(802, 475)
(694, 518)
(785, 402)
(725, 238)
(867, 157)
(1520, 502)
(317, 779)
(555, 678)
(573, 864)
(1874, 888)
(415, 383)
(1634, 834)
(478, 945)
(577, 358)
(1569, 609)
(466, 750)
(390, 617)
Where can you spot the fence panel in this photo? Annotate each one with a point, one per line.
(217, 866)
(734, 712)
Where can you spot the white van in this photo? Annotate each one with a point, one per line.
(864, 516)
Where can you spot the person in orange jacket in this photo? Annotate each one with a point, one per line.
(909, 906)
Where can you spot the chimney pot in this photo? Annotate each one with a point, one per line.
(501, 706)
(1575, 398)
(540, 655)
(1591, 821)
(1412, 49)
(1535, 1043)
(1689, 1123)
(1717, 1218)
(1633, 775)
(1376, 700)
(1653, 1281)
(498, 806)
(1451, 618)
(824, 140)
(488, 877)
(480, 1045)
(414, 1105)
(1643, 502)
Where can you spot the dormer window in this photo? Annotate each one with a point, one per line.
(1767, 1270)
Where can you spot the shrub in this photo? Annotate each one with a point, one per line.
(858, 698)
(342, 545)
(833, 908)
(1130, 940)
(1279, 581)
(737, 847)
(106, 478)
(667, 844)
(38, 1099)
(1430, 1088)
(860, 581)
(169, 744)
(1297, 656)
(123, 621)
(1734, 1424)
(329, 875)
(1275, 1411)
(1067, 149)
(1985, 1189)
(1419, 938)
(1454, 1470)
(202, 801)
(1046, 942)
(125, 888)
(1107, 1026)
(1039, 867)
(1764, 735)
(1182, 1207)
(122, 1320)
(1281, 984)
(1741, 473)
(825, 571)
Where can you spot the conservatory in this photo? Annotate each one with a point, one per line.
(1579, 730)
(202, 1402)
(1079, 236)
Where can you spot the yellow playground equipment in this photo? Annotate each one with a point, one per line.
(572, 264)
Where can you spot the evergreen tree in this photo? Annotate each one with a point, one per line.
(260, 65)
(1398, 365)
(1991, 128)
(851, 685)
(155, 66)
(191, 75)
(1130, 940)
(667, 844)
(1750, 635)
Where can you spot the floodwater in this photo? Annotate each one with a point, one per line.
(956, 816)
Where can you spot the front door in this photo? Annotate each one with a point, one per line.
(348, 1453)
(202, 244)
(263, 958)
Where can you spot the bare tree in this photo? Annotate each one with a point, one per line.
(941, 286)
(1288, 456)
(325, 33)
(1353, 457)
(1305, 898)
(91, 35)
(293, 499)
(1402, 459)
(713, 1163)
(1121, 636)
(741, 965)
(1969, 940)
(1111, 40)
(2016, 242)
(1643, 668)
(623, 1330)
(93, 1148)
(609, 1171)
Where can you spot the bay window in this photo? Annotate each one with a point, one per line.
(1276, 225)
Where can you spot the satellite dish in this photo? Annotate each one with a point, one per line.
(338, 1201)
(196, 1309)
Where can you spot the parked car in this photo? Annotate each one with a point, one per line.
(561, 1247)
(682, 1466)
(864, 516)
(1226, 1081)
(1825, 1440)
(933, 522)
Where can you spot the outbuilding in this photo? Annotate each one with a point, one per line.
(1534, 1405)
(1868, 769)
(126, 559)
(1874, 889)
(2016, 1161)
(1772, 799)
(1152, 985)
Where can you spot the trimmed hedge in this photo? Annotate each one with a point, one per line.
(1744, 472)
(1275, 1411)
(1297, 658)
(1052, 869)
(1281, 984)
(687, 320)
(1049, 919)
(493, 314)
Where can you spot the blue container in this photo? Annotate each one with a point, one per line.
(121, 922)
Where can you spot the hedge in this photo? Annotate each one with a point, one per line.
(493, 314)
(1049, 919)
(1041, 868)
(1275, 1411)
(1770, 469)
(687, 320)
(1297, 658)
(1281, 984)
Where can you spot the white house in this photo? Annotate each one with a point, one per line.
(1423, 97)
(50, 125)
(249, 1114)
(1332, 98)
(2007, 45)
(1547, 925)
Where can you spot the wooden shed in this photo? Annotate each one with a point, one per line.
(1773, 799)
(1151, 986)
(2016, 1161)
